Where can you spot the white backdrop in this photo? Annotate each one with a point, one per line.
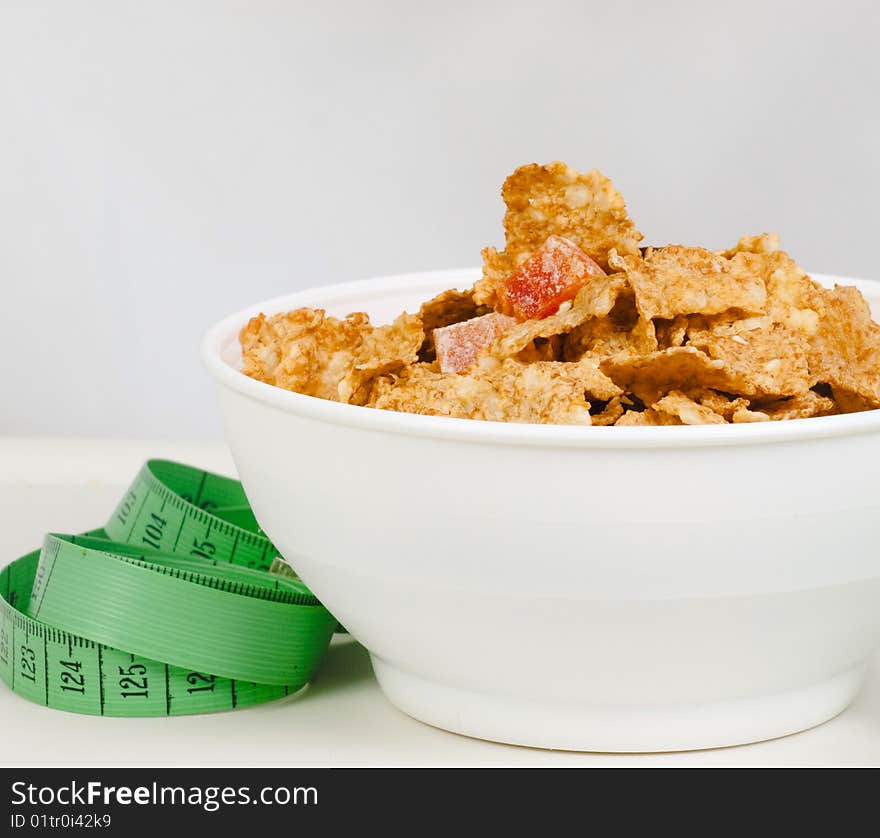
(164, 163)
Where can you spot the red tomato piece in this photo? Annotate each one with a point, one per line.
(459, 345)
(554, 273)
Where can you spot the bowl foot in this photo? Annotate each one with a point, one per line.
(617, 728)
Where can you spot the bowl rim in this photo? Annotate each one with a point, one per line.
(219, 336)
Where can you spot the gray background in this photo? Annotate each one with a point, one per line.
(165, 163)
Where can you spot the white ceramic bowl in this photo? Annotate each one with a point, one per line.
(611, 589)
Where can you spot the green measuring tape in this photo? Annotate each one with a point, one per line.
(178, 605)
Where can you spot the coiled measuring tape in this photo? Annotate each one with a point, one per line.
(173, 607)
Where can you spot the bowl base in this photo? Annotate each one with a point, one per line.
(617, 728)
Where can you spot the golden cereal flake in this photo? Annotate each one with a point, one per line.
(720, 403)
(549, 392)
(584, 373)
(448, 308)
(611, 412)
(671, 333)
(679, 368)
(764, 243)
(595, 299)
(843, 341)
(796, 407)
(603, 337)
(676, 280)
(496, 268)
(423, 389)
(624, 330)
(557, 200)
(744, 415)
(302, 350)
(545, 392)
(770, 358)
(792, 297)
(633, 418)
(648, 417)
(385, 349)
(845, 351)
(688, 411)
(308, 352)
(541, 349)
(539, 386)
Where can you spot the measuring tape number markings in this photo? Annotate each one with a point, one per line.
(178, 605)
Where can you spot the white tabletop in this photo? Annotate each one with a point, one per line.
(340, 720)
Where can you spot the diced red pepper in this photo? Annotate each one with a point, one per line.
(554, 273)
(459, 345)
